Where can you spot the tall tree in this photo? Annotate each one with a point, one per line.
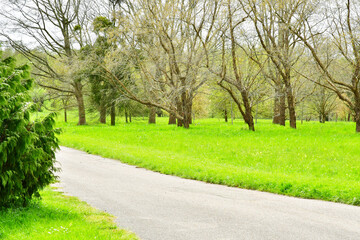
(340, 23)
(270, 20)
(53, 27)
(167, 55)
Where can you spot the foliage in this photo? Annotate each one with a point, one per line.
(316, 161)
(27, 149)
(101, 24)
(59, 217)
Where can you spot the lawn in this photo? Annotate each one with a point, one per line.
(59, 217)
(320, 161)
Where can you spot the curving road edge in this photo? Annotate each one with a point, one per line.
(162, 207)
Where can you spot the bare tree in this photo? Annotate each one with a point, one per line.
(342, 28)
(52, 27)
(270, 20)
(166, 42)
(239, 75)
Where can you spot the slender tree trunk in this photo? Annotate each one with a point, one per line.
(126, 116)
(80, 102)
(291, 105)
(249, 119)
(279, 106)
(284, 81)
(152, 115)
(102, 112)
(130, 116)
(225, 115)
(65, 114)
(172, 119)
(282, 117)
(112, 114)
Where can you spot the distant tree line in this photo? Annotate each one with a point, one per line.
(282, 59)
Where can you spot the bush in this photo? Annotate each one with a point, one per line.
(27, 149)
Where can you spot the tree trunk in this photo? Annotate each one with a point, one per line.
(249, 119)
(65, 115)
(80, 102)
(102, 112)
(152, 115)
(126, 116)
(186, 106)
(190, 112)
(130, 116)
(276, 114)
(247, 115)
(291, 106)
(322, 118)
(282, 117)
(251, 124)
(225, 115)
(279, 106)
(187, 118)
(172, 119)
(112, 114)
(180, 122)
(180, 111)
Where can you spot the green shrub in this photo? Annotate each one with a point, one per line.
(27, 149)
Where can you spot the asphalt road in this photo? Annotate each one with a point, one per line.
(157, 206)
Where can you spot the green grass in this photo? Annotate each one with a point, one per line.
(59, 217)
(320, 161)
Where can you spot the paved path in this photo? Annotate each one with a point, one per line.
(157, 206)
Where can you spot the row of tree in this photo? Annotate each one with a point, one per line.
(164, 54)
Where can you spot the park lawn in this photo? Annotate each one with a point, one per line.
(320, 161)
(59, 217)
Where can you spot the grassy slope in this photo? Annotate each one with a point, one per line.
(319, 161)
(59, 217)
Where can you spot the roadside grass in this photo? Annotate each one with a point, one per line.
(59, 217)
(319, 161)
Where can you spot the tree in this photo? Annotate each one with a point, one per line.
(270, 19)
(323, 102)
(27, 149)
(341, 25)
(167, 55)
(245, 74)
(52, 26)
(101, 93)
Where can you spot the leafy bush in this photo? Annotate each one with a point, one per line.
(27, 149)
